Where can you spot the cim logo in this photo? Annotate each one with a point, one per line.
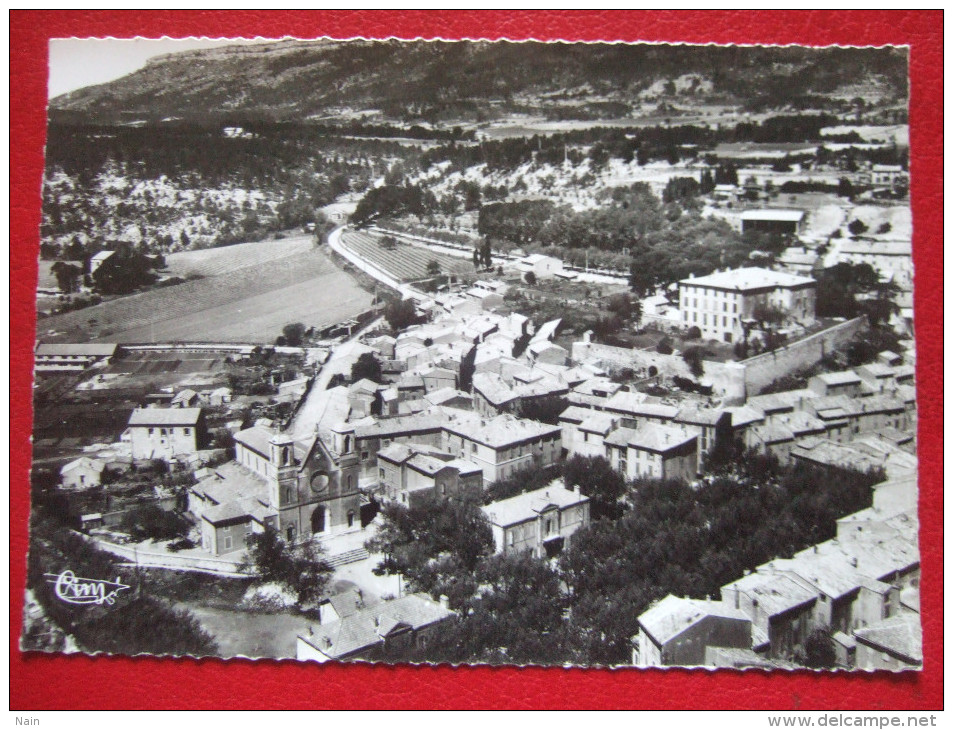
(81, 591)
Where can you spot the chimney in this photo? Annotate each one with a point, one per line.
(445, 602)
(853, 562)
(576, 489)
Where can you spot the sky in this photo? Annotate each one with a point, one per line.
(79, 62)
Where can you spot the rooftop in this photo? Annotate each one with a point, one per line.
(654, 437)
(369, 626)
(668, 618)
(748, 279)
(165, 416)
(773, 214)
(900, 635)
(502, 431)
(77, 349)
(528, 505)
(775, 593)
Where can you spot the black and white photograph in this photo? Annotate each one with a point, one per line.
(476, 352)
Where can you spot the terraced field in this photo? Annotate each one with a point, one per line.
(403, 262)
(243, 303)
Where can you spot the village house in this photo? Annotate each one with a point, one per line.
(388, 631)
(165, 433)
(656, 452)
(677, 631)
(719, 303)
(98, 259)
(187, 398)
(504, 444)
(845, 382)
(413, 473)
(584, 431)
(82, 473)
(780, 609)
(893, 644)
(541, 521)
(542, 267)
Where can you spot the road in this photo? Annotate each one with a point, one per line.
(343, 356)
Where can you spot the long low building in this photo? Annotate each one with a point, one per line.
(71, 357)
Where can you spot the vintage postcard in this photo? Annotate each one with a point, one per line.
(472, 352)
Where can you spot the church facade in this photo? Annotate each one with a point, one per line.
(301, 489)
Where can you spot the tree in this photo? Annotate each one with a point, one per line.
(544, 410)
(664, 346)
(148, 521)
(486, 254)
(400, 314)
(597, 480)
(435, 544)
(367, 366)
(693, 358)
(303, 567)
(819, 651)
(124, 272)
(433, 267)
(67, 276)
(294, 333)
(522, 480)
(515, 617)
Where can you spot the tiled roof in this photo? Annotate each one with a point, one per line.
(772, 214)
(165, 416)
(257, 438)
(672, 615)
(659, 439)
(747, 279)
(81, 349)
(775, 593)
(502, 431)
(366, 628)
(900, 635)
(528, 505)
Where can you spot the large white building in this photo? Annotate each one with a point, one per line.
(717, 303)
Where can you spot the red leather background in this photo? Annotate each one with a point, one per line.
(74, 682)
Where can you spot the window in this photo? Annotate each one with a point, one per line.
(152, 431)
(227, 542)
(363, 456)
(382, 472)
(187, 431)
(473, 448)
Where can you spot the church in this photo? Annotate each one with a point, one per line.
(299, 488)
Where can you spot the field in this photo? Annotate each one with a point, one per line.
(248, 294)
(218, 261)
(404, 262)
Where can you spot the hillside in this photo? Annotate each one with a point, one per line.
(455, 81)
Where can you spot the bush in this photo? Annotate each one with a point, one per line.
(664, 346)
(183, 544)
(694, 333)
(530, 278)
